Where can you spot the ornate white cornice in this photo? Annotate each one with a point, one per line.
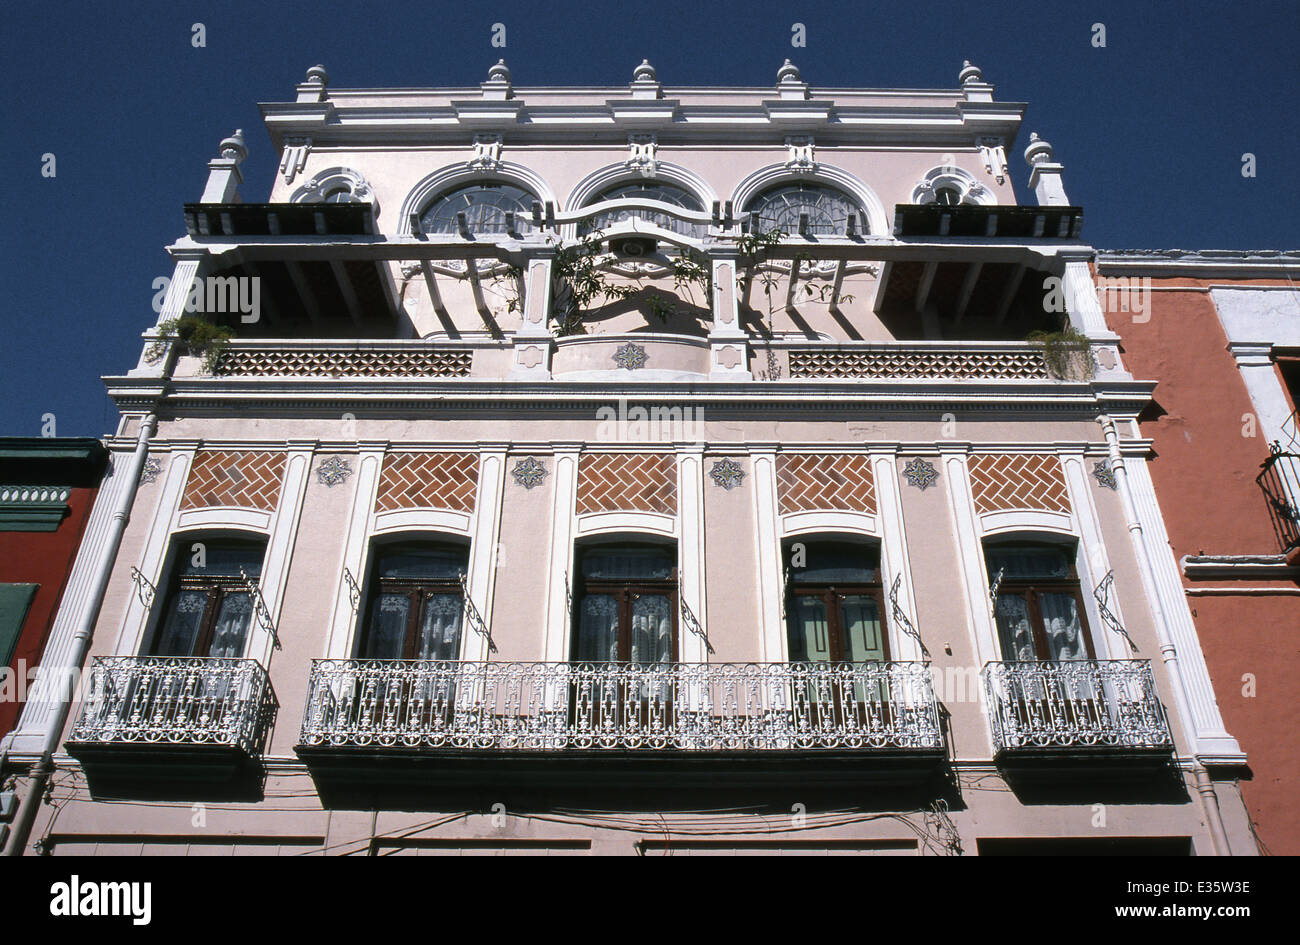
(1204, 264)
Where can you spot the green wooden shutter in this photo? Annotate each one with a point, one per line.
(14, 601)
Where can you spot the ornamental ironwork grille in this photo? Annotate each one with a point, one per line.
(913, 363)
(1075, 704)
(1280, 482)
(177, 700)
(430, 704)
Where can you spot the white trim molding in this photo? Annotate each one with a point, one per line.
(455, 175)
(621, 173)
(774, 174)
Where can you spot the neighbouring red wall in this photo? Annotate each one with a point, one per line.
(43, 558)
(1204, 472)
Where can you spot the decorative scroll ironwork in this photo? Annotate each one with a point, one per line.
(421, 704)
(326, 361)
(143, 588)
(1102, 593)
(1075, 704)
(689, 619)
(259, 607)
(473, 616)
(354, 592)
(899, 618)
(177, 700)
(1025, 363)
(993, 590)
(1280, 482)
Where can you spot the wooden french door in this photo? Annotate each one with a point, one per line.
(626, 613)
(208, 610)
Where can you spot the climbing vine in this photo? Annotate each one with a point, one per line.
(581, 282)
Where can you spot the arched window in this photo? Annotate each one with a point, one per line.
(834, 606)
(626, 604)
(1039, 607)
(207, 611)
(336, 185)
(828, 208)
(647, 190)
(415, 604)
(485, 205)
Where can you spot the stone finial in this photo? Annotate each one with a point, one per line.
(233, 147)
(789, 72)
(645, 72)
(969, 74)
(317, 75)
(1039, 151)
(499, 72)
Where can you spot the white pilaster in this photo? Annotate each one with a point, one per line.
(560, 576)
(690, 549)
(279, 547)
(153, 561)
(893, 557)
(771, 583)
(1213, 743)
(344, 616)
(481, 577)
(970, 552)
(1093, 561)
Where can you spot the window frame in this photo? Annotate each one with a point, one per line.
(417, 591)
(1030, 589)
(624, 592)
(216, 588)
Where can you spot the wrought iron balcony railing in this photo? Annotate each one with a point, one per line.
(1075, 704)
(685, 706)
(176, 701)
(1280, 481)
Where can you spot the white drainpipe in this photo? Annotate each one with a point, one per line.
(44, 768)
(1204, 784)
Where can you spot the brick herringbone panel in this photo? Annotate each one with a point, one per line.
(428, 481)
(1003, 481)
(627, 482)
(806, 482)
(233, 477)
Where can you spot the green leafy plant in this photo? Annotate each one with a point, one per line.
(580, 282)
(1067, 353)
(194, 336)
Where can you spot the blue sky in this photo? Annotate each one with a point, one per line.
(1151, 129)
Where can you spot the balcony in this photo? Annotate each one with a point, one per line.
(1072, 712)
(155, 722)
(556, 724)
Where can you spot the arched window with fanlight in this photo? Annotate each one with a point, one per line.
(810, 208)
(490, 207)
(658, 191)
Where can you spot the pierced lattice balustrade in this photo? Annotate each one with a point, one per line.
(343, 362)
(896, 362)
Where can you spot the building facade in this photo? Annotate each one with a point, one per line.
(1221, 330)
(47, 488)
(633, 470)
